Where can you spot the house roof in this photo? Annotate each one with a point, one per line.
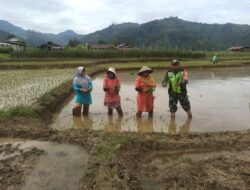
(16, 41)
(4, 43)
(102, 46)
(50, 44)
(53, 44)
(237, 48)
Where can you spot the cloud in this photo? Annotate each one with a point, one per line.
(85, 16)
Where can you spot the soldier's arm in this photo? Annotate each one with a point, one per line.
(185, 77)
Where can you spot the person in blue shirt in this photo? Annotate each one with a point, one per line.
(82, 85)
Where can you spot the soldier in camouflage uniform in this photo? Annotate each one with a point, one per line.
(177, 79)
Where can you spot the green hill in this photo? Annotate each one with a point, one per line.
(174, 33)
(36, 38)
(171, 33)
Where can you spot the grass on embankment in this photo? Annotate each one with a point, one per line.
(40, 62)
(45, 63)
(122, 62)
(225, 57)
(167, 64)
(18, 111)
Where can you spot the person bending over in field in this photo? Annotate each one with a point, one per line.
(215, 59)
(177, 91)
(111, 87)
(82, 85)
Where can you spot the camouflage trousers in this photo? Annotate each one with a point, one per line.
(182, 98)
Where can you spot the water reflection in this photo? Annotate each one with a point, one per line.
(85, 122)
(142, 125)
(114, 124)
(145, 125)
(184, 128)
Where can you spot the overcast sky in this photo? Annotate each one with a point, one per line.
(86, 16)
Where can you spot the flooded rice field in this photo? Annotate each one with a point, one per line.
(38, 165)
(220, 101)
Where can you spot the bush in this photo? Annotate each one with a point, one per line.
(5, 50)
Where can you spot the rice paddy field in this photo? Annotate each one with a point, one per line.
(80, 158)
(23, 87)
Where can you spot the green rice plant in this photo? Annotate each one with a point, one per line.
(24, 87)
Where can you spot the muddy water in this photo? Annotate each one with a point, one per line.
(220, 101)
(57, 163)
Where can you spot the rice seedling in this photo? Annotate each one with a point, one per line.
(23, 87)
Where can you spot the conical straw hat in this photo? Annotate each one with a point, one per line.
(145, 68)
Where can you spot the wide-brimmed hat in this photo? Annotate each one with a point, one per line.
(112, 70)
(144, 69)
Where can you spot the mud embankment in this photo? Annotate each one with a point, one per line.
(136, 161)
(8, 64)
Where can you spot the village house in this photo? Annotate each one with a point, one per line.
(15, 43)
(50, 46)
(4, 44)
(239, 48)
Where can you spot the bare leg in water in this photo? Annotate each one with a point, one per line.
(77, 110)
(85, 109)
(119, 111)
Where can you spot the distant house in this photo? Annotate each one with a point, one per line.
(239, 48)
(15, 43)
(4, 44)
(50, 46)
(101, 46)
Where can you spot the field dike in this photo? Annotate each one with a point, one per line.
(127, 160)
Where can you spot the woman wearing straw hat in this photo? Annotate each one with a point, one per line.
(145, 86)
(111, 86)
